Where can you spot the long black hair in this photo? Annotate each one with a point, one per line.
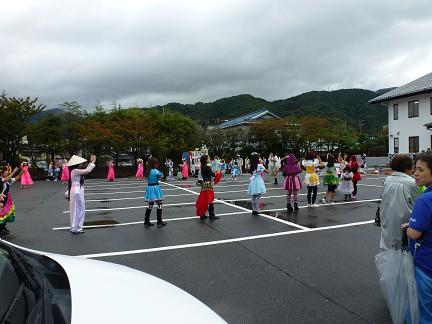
(73, 167)
(203, 160)
(152, 163)
(254, 161)
(330, 161)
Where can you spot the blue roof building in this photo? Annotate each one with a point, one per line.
(250, 118)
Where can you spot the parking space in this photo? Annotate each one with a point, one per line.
(278, 267)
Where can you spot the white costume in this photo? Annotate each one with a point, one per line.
(76, 199)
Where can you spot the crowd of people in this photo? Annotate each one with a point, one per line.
(406, 201)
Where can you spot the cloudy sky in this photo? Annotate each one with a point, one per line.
(150, 52)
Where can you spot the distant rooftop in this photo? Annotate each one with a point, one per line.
(244, 119)
(421, 85)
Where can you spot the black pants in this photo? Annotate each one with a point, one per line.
(312, 190)
(355, 188)
(211, 209)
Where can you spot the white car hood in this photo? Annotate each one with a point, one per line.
(104, 292)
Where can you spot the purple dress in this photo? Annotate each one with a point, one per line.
(291, 171)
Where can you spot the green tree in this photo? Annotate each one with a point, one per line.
(16, 114)
(96, 132)
(178, 133)
(71, 125)
(45, 136)
(215, 140)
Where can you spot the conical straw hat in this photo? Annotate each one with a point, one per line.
(75, 159)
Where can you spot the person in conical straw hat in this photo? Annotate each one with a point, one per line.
(76, 191)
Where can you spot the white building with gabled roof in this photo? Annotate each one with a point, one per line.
(409, 116)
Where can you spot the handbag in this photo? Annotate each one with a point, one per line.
(377, 215)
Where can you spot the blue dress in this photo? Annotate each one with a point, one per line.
(153, 190)
(257, 186)
(235, 172)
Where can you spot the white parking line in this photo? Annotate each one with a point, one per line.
(122, 192)
(245, 209)
(133, 207)
(113, 193)
(233, 191)
(133, 198)
(328, 205)
(105, 189)
(278, 196)
(189, 194)
(115, 184)
(208, 243)
(112, 188)
(142, 222)
(103, 181)
(143, 185)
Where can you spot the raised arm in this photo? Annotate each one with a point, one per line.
(89, 168)
(18, 177)
(11, 175)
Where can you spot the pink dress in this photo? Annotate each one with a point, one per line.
(111, 175)
(185, 171)
(26, 179)
(65, 172)
(140, 172)
(292, 183)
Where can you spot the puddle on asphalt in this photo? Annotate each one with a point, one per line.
(246, 204)
(185, 186)
(302, 218)
(106, 222)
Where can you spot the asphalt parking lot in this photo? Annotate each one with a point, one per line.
(313, 266)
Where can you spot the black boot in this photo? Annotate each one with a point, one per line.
(203, 217)
(212, 214)
(289, 207)
(296, 208)
(147, 218)
(160, 223)
(276, 181)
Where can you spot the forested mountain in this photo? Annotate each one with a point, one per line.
(350, 105)
(46, 113)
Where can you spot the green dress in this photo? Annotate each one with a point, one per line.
(330, 176)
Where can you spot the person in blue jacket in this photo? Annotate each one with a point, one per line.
(153, 193)
(420, 234)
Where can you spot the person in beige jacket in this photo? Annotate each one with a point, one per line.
(397, 201)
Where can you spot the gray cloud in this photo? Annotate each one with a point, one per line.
(155, 52)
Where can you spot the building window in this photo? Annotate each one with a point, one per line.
(395, 112)
(396, 145)
(413, 144)
(413, 108)
(431, 105)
